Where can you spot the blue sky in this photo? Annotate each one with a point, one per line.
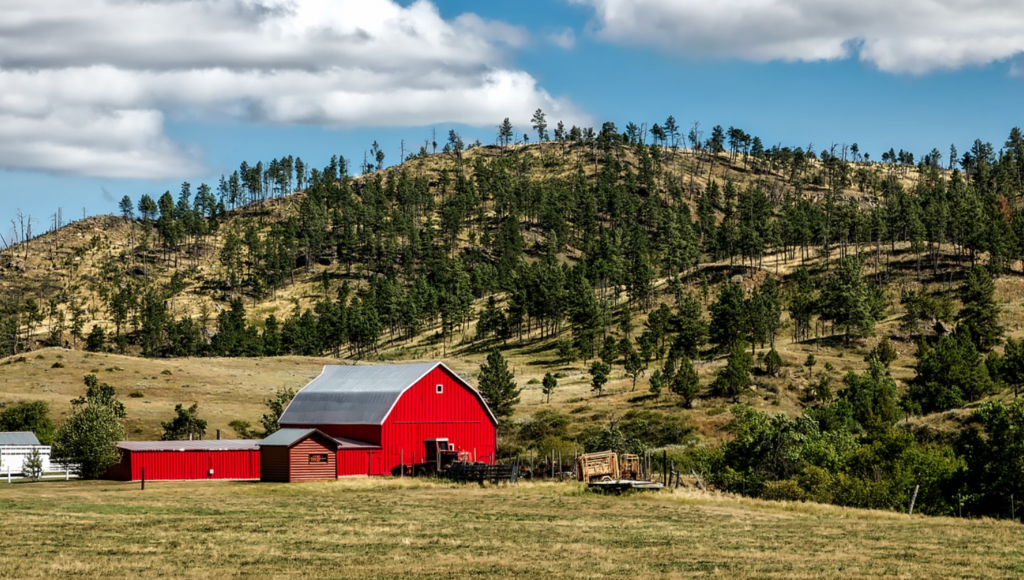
(110, 110)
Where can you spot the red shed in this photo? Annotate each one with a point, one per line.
(389, 412)
(181, 460)
(291, 455)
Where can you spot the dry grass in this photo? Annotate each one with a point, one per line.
(225, 389)
(415, 529)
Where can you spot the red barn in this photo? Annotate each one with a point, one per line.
(385, 415)
(180, 460)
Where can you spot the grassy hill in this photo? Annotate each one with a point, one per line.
(80, 262)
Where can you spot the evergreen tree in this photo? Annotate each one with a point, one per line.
(686, 382)
(690, 325)
(657, 382)
(735, 377)
(847, 301)
(979, 317)
(32, 468)
(772, 363)
(548, 385)
(634, 365)
(498, 387)
(540, 125)
(949, 375)
(728, 316)
(599, 371)
(186, 424)
(96, 340)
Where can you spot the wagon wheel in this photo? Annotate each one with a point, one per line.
(606, 478)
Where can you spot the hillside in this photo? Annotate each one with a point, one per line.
(889, 293)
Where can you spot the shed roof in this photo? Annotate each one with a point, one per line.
(286, 437)
(358, 395)
(19, 438)
(289, 437)
(208, 445)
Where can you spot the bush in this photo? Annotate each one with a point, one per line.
(772, 363)
(136, 394)
(57, 365)
(783, 490)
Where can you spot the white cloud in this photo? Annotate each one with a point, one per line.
(86, 83)
(907, 36)
(564, 39)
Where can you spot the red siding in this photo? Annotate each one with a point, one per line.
(359, 462)
(420, 413)
(184, 465)
(302, 470)
(365, 433)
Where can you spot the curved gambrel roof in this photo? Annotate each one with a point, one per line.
(360, 395)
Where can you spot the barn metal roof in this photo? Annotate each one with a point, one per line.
(208, 445)
(19, 438)
(353, 395)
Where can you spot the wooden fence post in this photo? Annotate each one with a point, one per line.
(913, 499)
(143, 479)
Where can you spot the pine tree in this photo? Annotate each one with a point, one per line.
(32, 468)
(548, 385)
(540, 124)
(599, 376)
(634, 365)
(979, 317)
(735, 377)
(186, 424)
(686, 382)
(498, 387)
(728, 316)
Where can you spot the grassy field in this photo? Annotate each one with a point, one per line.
(419, 529)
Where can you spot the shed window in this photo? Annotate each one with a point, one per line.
(318, 458)
(440, 389)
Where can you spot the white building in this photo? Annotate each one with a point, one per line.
(15, 449)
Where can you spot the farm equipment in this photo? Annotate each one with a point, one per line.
(613, 473)
(438, 459)
(602, 466)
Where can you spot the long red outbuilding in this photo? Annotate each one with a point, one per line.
(178, 460)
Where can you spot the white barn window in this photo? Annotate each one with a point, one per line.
(440, 389)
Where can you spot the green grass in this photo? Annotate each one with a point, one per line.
(377, 528)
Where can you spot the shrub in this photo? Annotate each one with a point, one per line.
(57, 365)
(783, 490)
(772, 363)
(136, 394)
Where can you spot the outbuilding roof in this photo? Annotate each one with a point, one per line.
(19, 438)
(359, 394)
(289, 437)
(208, 445)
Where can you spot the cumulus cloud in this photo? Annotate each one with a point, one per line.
(87, 83)
(909, 36)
